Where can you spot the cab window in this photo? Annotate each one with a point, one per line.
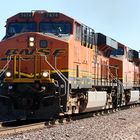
(16, 28)
(119, 51)
(55, 27)
(78, 32)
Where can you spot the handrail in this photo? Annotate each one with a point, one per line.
(6, 66)
(64, 78)
(58, 72)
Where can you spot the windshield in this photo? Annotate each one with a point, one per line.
(55, 27)
(16, 28)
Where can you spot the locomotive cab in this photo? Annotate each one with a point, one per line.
(38, 21)
(32, 61)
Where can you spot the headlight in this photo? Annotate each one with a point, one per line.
(45, 74)
(31, 39)
(31, 44)
(8, 74)
(10, 87)
(43, 88)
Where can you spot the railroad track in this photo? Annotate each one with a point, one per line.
(23, 127)
(10, 128)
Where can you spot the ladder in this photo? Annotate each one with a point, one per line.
(120, 89)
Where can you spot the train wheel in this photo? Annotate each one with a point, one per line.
(127, 96)
(83, 102)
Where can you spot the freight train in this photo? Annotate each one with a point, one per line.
(52, 64)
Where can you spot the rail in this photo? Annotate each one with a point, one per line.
(12, 130)
(19, 129)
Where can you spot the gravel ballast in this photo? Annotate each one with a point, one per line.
(121, 125)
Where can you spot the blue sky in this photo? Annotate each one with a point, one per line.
(119, 19)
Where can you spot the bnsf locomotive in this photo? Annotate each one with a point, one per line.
(52, 64)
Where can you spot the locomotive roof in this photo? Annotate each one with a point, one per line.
(45, 14)
(42, 14)
(38, 13)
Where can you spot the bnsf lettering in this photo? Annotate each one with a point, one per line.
(44, 51)
(57, 52)
(27, 52)
(11, 52)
